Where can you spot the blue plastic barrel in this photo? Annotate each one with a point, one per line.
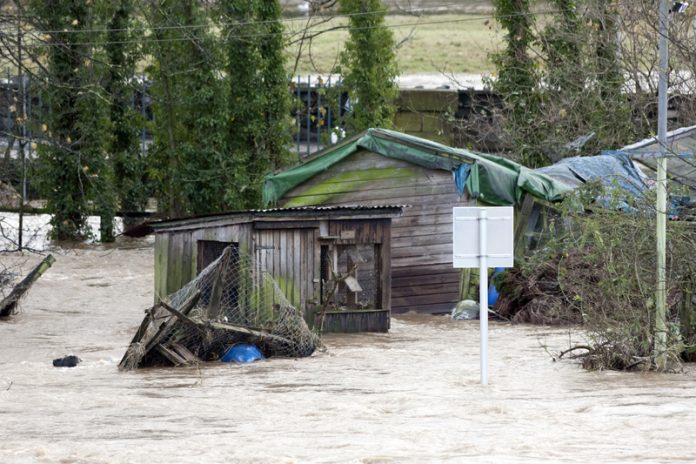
(242, 353)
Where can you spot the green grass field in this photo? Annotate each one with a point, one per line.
(447, 43)
(452, 43)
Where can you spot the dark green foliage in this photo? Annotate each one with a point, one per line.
(612, 114)
(74, 174)
(368, 65)
(563, 81)
(122, 52)
(597, 267)
(516, 68)
(276, 138)
(585, 82)
(189, 160)
(247, 118)
(259, 129)
(518, 78)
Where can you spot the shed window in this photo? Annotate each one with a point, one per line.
(350, 276)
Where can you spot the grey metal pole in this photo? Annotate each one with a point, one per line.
(21, 130)
(660, 293)
(299, 119)
(318, 117)
(328, 122)
(483, 292)
(309, 111)
(8, 96)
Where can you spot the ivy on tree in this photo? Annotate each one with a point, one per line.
(188, 160)
(258, 127)
(368, 65)
(561, 82)
(74, 173)
(122, 52)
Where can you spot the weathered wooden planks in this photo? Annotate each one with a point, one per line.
(156, 326)
(420, 239)
(356, 321)
(287, 245)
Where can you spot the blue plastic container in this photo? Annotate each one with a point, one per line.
(242, 353)
(492, 295)
(492, 291)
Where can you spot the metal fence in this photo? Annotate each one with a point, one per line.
(319, 107)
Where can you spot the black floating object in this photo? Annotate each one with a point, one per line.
(67, 361)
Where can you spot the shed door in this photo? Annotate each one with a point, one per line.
(291, 257)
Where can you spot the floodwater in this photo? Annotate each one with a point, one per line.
(408, 396)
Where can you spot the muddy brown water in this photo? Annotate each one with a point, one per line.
(408, 396)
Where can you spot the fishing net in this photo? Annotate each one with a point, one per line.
(233, 300)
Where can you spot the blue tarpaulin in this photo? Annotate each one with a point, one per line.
(461, 173)
(612, 168)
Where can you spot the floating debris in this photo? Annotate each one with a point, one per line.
(67, 361)
(8, 305)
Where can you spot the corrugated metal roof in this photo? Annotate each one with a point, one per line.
(679, 169)
(327, 208)
(294, 213)
(671, 136)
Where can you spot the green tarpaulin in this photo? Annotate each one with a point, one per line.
(493, 180)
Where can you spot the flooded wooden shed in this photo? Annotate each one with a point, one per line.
(332, 262)
(380, 166)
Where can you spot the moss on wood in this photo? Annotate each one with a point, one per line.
(327, 190)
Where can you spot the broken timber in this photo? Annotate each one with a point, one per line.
(8, 305)
(154, 337)
(151, 333)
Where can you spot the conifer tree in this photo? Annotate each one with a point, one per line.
(368, 65)
(74, 174)
(249, 105)
(189, 160)
(122, 52)
(276, 136)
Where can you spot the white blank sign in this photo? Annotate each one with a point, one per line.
(499, 236)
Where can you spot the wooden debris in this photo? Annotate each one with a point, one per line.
(184, 352)
(171, 355)
(254, 333)
(155, 328)
(8, 305)
(203, 325)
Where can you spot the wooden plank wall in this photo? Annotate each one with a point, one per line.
(292, 257)
(357, 321)
(176, 254)
(370, 232)
(422, 277)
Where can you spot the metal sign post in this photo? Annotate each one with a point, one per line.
(483, 293)
(477, 245)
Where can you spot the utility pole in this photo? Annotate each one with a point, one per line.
(21, 126)
(660, 348)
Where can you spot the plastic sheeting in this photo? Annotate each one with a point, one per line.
(492, 180)
(613, 169)
(461, 175)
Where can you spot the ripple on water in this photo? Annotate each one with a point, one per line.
(411, 395)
